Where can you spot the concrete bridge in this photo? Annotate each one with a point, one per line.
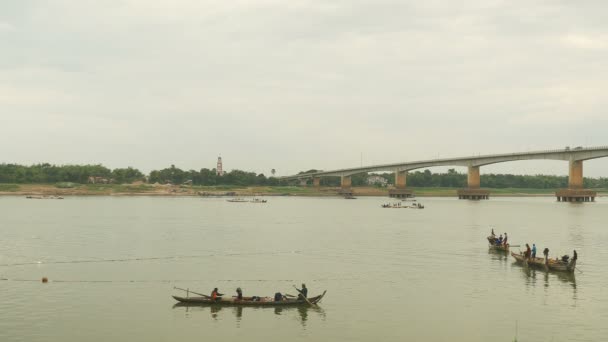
(574, 156)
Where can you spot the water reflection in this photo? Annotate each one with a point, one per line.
(216, 311)
(499, 255)
(532, 276)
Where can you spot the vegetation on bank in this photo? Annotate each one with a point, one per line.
(121, 179)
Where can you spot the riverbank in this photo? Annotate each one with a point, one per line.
(63, 189)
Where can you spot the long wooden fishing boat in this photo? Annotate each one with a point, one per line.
(249, 301)
(549, 264)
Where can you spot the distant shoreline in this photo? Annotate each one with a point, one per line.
(235, 191)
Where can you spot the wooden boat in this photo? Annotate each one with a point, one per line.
(549, 264)
(248, 301)
(237, 200)
(257, 200)
(494, 246)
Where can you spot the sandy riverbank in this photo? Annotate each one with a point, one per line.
(171, 190)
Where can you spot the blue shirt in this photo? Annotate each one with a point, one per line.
(534, 249)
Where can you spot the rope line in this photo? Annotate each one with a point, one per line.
(142, 258)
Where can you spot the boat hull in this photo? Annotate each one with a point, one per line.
(553, 265)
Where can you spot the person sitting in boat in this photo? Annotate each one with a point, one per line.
(216, 295)
(499, 241)
(278, 297)
(303, 292)
(533, 250)
(528, 252)
(239, 294)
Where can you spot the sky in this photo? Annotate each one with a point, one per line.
(296, 85)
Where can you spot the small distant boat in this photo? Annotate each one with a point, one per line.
(399, 206)
(257, 200)
(249, 301)
(44, 197)
(562, 265)
(237, 199)
(350, 197)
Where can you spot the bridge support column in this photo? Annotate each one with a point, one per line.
(473, 179)
(345, 182)
(400, 191)
(473, 191)
(575, 175)
(575, 191)
(316, 182)
(345, 186)
(400, 179)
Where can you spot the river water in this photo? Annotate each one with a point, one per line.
(390, 274)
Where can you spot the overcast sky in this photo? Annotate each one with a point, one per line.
(295, 85)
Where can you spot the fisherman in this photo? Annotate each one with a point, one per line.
(546, 254)
(499, 241)
(527, 252)
(239, 294)
(533, 251)
(303, 292)
(278, 297)
(216, 295)
(504, 242)
(574, 256)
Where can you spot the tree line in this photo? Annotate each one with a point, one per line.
(454, 179)
(47, 173)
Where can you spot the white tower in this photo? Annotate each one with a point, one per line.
(219, 171)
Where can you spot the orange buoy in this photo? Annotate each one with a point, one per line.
(45, 280)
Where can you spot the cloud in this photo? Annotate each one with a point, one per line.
(6, 27)
(586, 41)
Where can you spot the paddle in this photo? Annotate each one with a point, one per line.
(200, 294)
(303, 296)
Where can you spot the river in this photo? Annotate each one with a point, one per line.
(390, 274)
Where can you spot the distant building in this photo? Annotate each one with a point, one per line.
(219, 170)
(376, 180)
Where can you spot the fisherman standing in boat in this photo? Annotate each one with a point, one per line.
(533, 250)
(546, 254)
(527, 252)
(239, 294)
(504, 242)
(303, 292)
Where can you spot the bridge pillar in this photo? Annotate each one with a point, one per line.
(400, 191)
(575, 175)
(400, 179)
(345, 189)
(345, 182)
(575, 191)
(316, 182)
(473, 179)
(473, 191)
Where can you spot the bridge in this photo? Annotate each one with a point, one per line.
(574, 156)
